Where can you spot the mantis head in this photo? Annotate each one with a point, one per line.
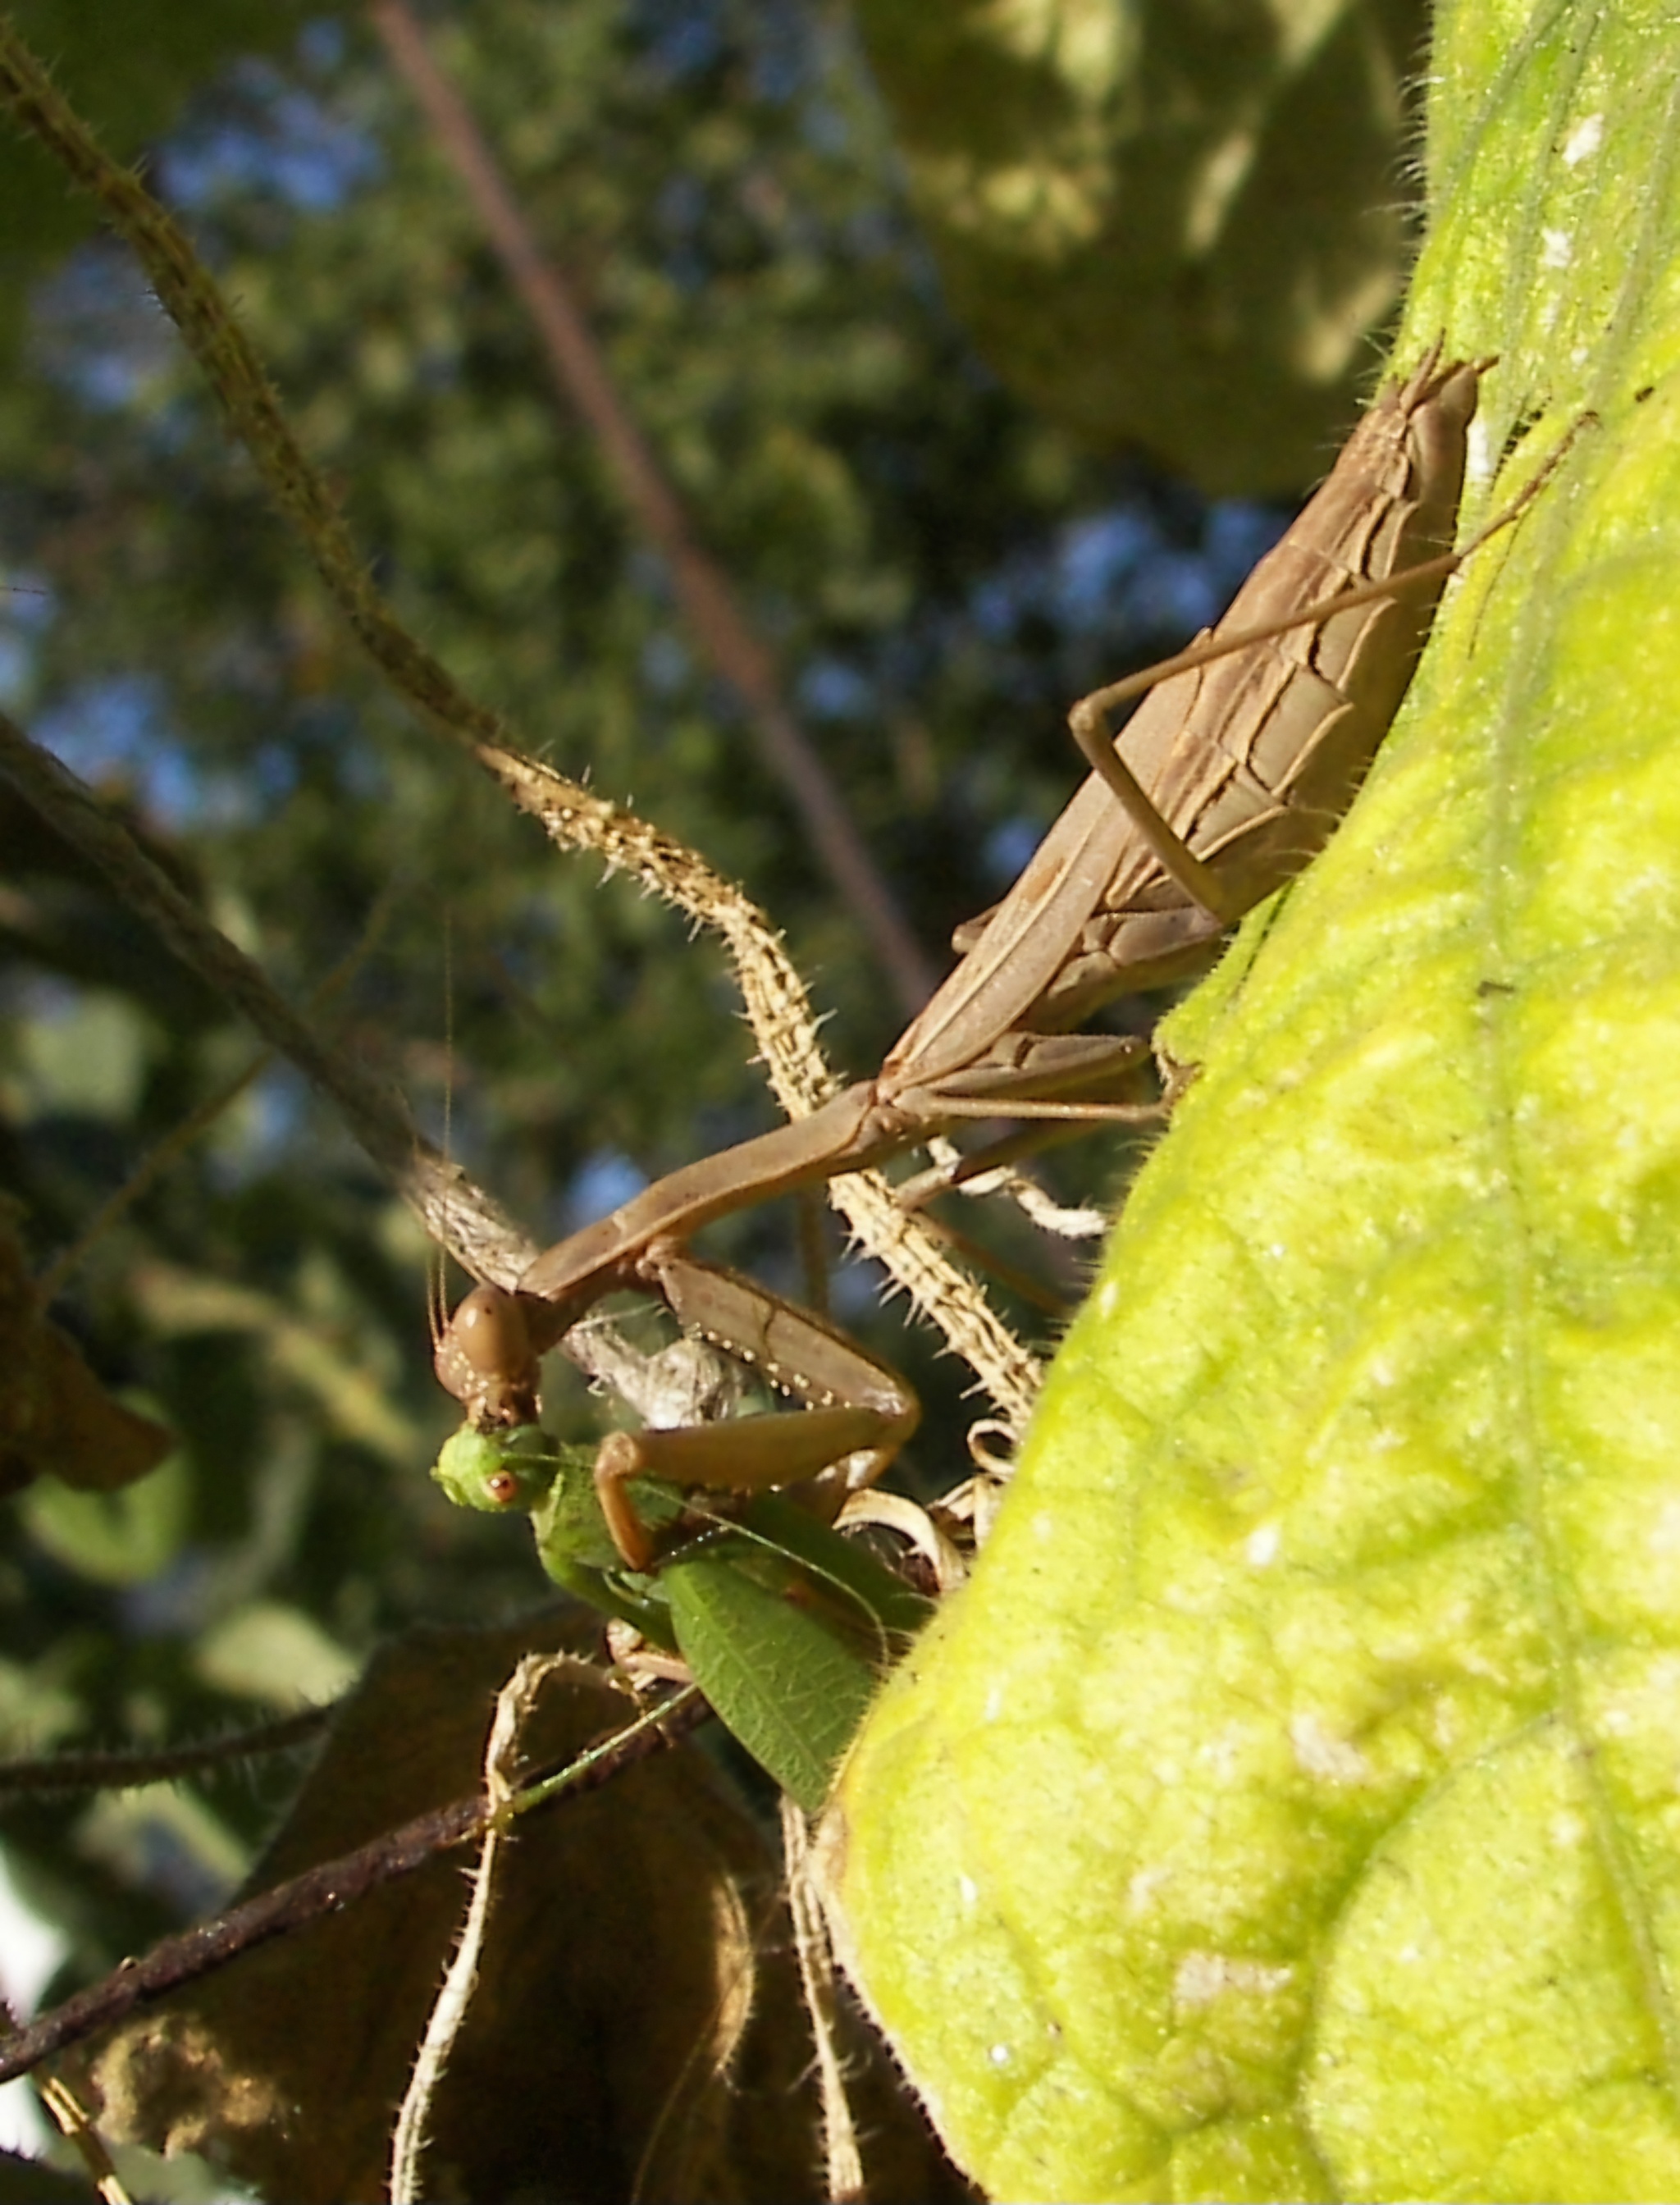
(486, 1359)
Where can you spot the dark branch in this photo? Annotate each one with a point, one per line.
(183, 1960)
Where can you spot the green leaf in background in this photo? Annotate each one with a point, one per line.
(1175, 224)
(130, 74)
(118, 1538)
(91, 1058)
(1290, 1807)
(273, 1651)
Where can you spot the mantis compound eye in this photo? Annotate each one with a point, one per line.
(503, 1486)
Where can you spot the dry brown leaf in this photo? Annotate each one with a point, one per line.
(55, 1418)
(637, 2030)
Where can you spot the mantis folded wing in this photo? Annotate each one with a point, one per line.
(1222, 786)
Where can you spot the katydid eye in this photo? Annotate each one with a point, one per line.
(503, 1486)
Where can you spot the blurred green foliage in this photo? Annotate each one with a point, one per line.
(131, 76)
(1173, 222)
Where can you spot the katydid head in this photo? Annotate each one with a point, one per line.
(485, 1358)
(496, 1471)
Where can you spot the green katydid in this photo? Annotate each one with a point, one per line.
(786, 1625)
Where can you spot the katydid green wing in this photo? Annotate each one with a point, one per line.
(792, 1693)
(1291, 1806)
(786, 1626)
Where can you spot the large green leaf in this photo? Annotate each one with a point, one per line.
(1291, 1805)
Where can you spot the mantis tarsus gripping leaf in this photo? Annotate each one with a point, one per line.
(1224, 783)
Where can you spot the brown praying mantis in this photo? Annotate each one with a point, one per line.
(1224, 782)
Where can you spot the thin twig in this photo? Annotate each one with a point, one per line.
(48, 1772)
(843, 2161)
(189, 294)
(461, 1216)
(514, 1705)
(710, 606)
(83, 2136)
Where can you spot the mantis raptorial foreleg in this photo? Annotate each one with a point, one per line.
(857, 1408)
(1229, 777)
